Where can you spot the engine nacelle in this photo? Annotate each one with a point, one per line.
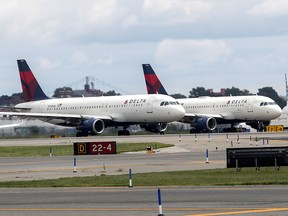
(155, 128)
(205, 123)
(91, 126)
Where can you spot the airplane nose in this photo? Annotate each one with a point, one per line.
(277, 111)
(181, 112)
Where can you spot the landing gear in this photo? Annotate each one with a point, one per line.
(194, 130)
(81, 134)
(124, 132)
(261, 126)
(162, 133)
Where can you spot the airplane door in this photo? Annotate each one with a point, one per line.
(150, 104)
(250, 106)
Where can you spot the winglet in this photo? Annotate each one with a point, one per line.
(153, 84)
(30, 87)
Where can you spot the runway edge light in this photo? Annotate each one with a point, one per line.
(130, 178)
(160, 203)
(74, 167)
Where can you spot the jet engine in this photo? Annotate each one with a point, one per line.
(91, 126)
(155, 128)
(205, 123)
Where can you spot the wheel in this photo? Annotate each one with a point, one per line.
(81, 134)
(123, 133)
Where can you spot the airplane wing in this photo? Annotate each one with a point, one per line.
(11, 125)
(190, 117)
(55, 118)
(13, 108)
(202, 115)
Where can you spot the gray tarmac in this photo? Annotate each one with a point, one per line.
(200, 201)
(187, 154)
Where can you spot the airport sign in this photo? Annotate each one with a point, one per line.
(275, 128)
(94, 148)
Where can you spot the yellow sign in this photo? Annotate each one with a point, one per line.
(82, 148)
(274, 128)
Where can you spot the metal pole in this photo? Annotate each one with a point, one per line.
(160, 203)
(75, 169)
(276, 165)
(207, 158)
(237, 166)
(256, 164)
(130, 178)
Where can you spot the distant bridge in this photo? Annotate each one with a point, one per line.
(93, 83)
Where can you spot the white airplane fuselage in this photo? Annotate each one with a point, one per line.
(240, 108)
(119, 109)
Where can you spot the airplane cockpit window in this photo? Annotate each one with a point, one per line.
(166, 103)
(267, 103)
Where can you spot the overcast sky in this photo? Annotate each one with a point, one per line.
(189, 43)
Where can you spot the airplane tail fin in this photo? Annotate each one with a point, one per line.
(153, 84)
(30, 87)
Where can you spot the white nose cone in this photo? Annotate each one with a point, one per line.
(180, 112)
(277, 112)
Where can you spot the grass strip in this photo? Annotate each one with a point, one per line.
(66, 150)
(215, 177)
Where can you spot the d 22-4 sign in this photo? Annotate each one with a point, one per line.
(92, 148)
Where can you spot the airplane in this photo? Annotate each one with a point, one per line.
(283, 118)
(91, 115)
(205, 113)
